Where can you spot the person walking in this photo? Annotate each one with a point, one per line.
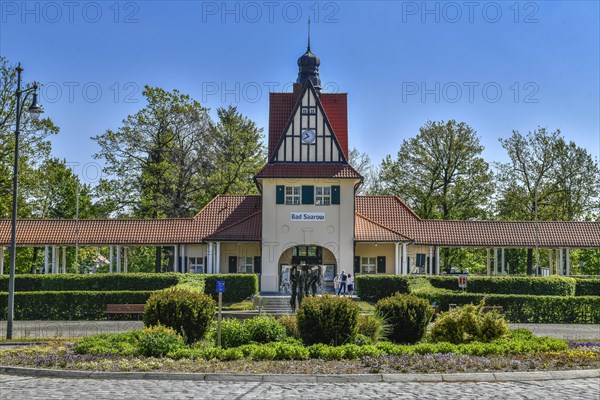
(343, 280)
(350, 283)
(336, 283)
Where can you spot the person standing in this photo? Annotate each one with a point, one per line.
(343, 280)
(336, 283)
(350, 283)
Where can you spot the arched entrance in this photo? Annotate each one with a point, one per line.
(307, 255)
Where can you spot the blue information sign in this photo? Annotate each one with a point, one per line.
(220, 286)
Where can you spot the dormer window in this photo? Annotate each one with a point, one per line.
(309, 110)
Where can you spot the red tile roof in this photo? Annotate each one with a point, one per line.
(394, 214)
(105, 231)
(239, 218)
(308, 170)
(225, 211)
(281, 106)
(366, 230)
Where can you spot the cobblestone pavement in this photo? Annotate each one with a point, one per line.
(13, 387)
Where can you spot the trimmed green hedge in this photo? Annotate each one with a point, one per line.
(587, 287)
(73, 305)
(238, 287)
(375, 287)
(525, 308)
(91, 282)
(547, 285)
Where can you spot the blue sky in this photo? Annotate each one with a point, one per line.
(498, 65)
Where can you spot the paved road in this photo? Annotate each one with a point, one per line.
(12, 387)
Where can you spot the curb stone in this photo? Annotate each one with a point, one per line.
(303, 378)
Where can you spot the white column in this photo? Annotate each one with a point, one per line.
(125, 251)
(176, 258)
(46, 259)
(561, 261)
(430, 266)
(55, 260)
(183, 259)
(1, 260)
(209, 258)
(503, 263)
(64, 260)
(495, 261)
(404, 259)
(110, 259)
(119, 259)
(437, 260)
(568, 251)
(489, 267)
(397, 258)
(218, 258)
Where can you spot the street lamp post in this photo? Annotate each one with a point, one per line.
(35, 110)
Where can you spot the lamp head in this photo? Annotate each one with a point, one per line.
(35, 110)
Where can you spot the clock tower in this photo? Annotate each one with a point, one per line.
(307, 185)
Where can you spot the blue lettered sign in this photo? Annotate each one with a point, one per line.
(220, 286)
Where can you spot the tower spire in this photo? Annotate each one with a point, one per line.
(308, 66)
(309, 33)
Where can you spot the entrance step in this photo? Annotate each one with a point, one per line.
(275, 305)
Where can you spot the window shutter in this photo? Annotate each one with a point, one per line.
(381, 264)
(335, 195)
(232, 264)
(356, 264)
(308, 194)
(257, 265)
(280, 194)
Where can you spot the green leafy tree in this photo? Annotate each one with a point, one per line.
(238, 153)
(33, 146)
(546, 178)
(440, 173)
(157, 160)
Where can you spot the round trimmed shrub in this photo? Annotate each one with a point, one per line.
(407, 317)
(327, 319)
(264, 329)
(233, 333)
(468, 323)
(189, 313)
(158, 340)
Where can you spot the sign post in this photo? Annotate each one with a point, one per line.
(462, 281)
(220, 290)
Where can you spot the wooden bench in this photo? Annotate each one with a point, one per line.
(125, 309)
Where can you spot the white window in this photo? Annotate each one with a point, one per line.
(196, 265)
(323, 196)
(292, 195)
(246, 265)
(367, 265)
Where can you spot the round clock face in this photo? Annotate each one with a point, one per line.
(308, 135)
